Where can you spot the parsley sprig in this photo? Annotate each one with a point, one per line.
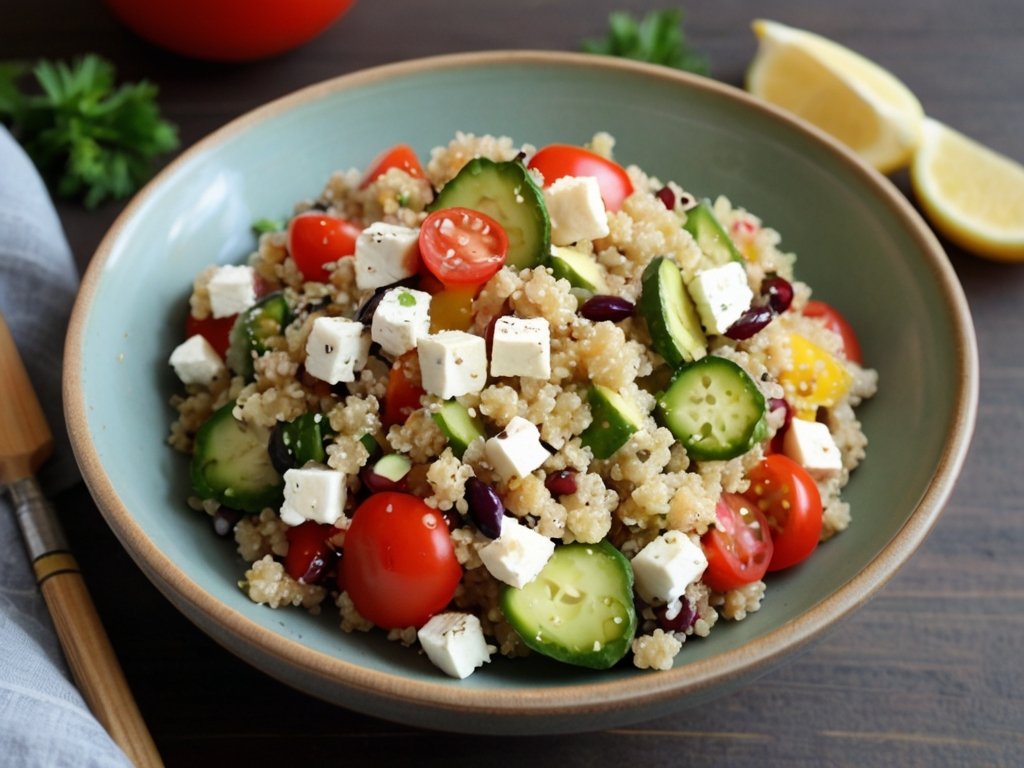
(89, 139)
(657, 38)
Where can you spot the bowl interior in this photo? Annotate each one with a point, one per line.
(857, 246)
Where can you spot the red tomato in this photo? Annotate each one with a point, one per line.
(557, 160)
(399, 566)
(228, 30)
(216, 330)
(316, 239)
(789, 499)
(310, 555)
(403, 394)
(836, 322)
(400, 156)
(461, 246)
(739, 547)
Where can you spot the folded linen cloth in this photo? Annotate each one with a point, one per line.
(43, 719)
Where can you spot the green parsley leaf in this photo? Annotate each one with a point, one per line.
(658, 38)
(88, 139)
(264, 225)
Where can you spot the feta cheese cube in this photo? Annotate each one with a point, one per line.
(313, 493)
(521, 347)
(386, 253)
(721, 294)
(455, 643)
(196, 361)
(576, 210)
(401, 319)
(232, 290)
(516, 451)
(452, 363)
(810, 444)
(336, 348)
(518, 555)
(667, 566)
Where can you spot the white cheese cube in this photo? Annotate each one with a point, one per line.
(667, 566)
(455, 643)
(810, 444)
(452, 363)
(576, 210)
(386, 253)
(516, 451)
(196, 361)
(518, 555)
(721, 295)
(232, 290)
(521, 347)
(313, 493)
(401, 319)
(336, 348)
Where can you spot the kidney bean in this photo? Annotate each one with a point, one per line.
(612, 308)
(485, 507)
(681, 621)
(561, 483)
(778, 291)
(750, 322)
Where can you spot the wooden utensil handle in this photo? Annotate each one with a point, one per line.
(86, 646)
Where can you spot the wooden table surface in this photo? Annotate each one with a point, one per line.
(929, 673)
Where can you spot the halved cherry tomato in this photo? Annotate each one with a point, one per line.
(557, 160)
(835, 321)
(739, 547)
(782, 490)
(316, 239)
(310, 554)
(399, 565)
(403, 394)
(461, 246)
(216, 330)
(400, 156)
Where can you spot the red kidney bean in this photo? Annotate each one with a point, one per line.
(375, 483)
(667, 197)
(681, 622)
(485, 507)
(561, 483)
(612, 308)
(778, 291)
(750, 322)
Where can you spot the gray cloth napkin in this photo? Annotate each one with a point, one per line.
(43, 718)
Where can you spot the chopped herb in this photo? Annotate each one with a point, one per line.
(262, 226)
(658, 38)
(406, 299)
(88, 139)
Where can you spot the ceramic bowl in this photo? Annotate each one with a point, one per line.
(859, 243)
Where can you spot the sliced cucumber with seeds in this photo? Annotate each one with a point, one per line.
(458, 426)
(714, 409)
(231, 464)
(506, 193)
(252, 331)
(580, 269)
(671, 317)
(710, 235)
(579, 609)
(614, 420)
(293, 443)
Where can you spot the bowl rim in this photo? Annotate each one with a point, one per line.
(689, 678)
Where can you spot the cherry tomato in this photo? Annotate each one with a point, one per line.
(739, 547)
(228, 30)
(400, 156)
(836, 322)
(403, 394)
(310, 554)
(462, 247)
(782, 490)
(216, 330)
(316, 239)
(399, 566)
(557, 160)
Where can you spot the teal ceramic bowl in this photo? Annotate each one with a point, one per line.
(860, 245)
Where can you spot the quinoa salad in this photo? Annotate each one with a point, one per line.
(502, 400)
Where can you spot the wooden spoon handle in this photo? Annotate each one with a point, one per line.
(86, 646)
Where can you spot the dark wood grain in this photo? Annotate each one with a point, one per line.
(929, 673)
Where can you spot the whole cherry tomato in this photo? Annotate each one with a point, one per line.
(787, 496)
(739, 546)
(557, 160)
(400, 156)
(310, 553)
(216, 330)
(316, 239)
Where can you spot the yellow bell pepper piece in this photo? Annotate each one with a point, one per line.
(816, 379)
(452, 309)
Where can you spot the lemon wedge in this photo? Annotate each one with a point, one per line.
(970, 193)
(841, 92)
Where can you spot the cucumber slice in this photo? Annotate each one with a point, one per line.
(231, 464)
(506, 193)
(458, 426)
(392, 466)
(253, 329)
(579, 609)
(580, 269)
(710, 235)
(714, 409)
(615, 419)
(671, 317)
(293, 443)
